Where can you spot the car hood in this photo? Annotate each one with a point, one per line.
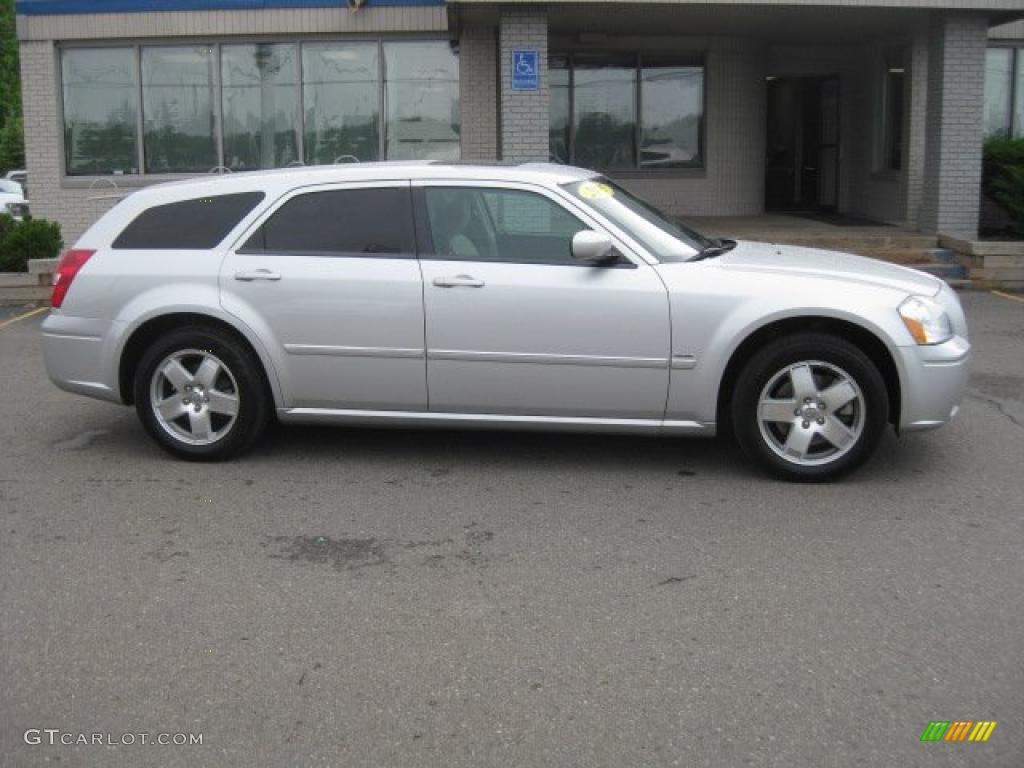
(10, 197)
(833, 265)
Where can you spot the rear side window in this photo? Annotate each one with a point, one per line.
(340, 222)
(190, 224)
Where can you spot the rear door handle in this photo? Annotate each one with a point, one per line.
(257, 274)
(458, 281)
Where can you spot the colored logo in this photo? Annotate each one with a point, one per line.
(958, 730)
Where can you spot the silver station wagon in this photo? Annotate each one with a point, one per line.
(525, 297)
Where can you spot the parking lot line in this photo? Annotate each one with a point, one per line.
(24, 316)
(1009, 296)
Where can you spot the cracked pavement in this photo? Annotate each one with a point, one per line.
(390, 598)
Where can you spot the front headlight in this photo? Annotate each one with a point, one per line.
(927, 322)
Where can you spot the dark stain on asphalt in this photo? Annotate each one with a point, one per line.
(164, 556)
(676, 579)
(349, 554)
(686, 473)
(81, 440)
(341, 554)
(1000, 386)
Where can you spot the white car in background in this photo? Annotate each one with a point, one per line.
(12, 199)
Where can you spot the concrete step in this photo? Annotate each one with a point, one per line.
(23, 294)
(945, 271)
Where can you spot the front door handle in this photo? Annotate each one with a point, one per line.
(257, 274)
(458, 281)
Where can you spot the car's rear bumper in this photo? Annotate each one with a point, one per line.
(934, 380)
(79, 355)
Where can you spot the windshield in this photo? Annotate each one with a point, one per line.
(665, 237)
(10, 187)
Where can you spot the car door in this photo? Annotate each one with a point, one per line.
(330, 282)
(515, 326)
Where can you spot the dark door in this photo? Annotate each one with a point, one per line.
(802, 164)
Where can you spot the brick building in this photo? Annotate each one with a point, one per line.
(872, 108)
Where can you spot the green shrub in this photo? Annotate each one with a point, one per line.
(6, 225)
(28, 239)
(1003, 177)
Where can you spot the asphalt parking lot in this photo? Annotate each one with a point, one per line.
(386, 598)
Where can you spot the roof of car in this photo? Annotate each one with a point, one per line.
(289, 178)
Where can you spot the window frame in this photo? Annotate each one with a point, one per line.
(1016, 49)
(687, 59)
(238, 245)
(217, 41)
(425, 239)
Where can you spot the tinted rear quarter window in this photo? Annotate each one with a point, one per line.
(374, 221)
(189, 224)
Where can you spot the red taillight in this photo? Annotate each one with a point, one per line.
(70, 263)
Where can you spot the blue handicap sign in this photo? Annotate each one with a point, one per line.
(525, 70)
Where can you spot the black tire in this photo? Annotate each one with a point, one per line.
(244, 380)
(827, 356)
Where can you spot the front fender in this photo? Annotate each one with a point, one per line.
(714, 312)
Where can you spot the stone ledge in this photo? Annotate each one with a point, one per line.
(983, 247)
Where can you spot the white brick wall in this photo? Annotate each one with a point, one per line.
(524, 114)
(953, 127)
(478, 84)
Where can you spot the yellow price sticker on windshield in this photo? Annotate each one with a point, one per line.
(594, 190)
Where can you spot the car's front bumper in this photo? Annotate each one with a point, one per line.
(934, 380)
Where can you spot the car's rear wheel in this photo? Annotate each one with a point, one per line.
(200, 394)
(810, 407)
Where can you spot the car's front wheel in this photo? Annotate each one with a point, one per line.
(810, 407)
(200, 394)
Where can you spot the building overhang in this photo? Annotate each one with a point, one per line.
(64, 7)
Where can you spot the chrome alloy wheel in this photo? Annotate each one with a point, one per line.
(194, 397)
(811, 413)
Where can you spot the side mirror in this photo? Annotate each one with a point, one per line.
(592, 247)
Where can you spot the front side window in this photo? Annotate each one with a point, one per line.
(507, 225)
(626, 111)
(198, 224)
(421, 83)
(100, 97)
(340, 222)
(259, 89)
(177, 108)
(666, 238)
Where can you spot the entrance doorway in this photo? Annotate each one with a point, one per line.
(802, 164)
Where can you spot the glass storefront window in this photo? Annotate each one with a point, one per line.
(604, 120)
(626, 111)
(559, 115)
(341, 93)
(672, 100)
(1018, 100)
(177, 108)
(261, 103)
(998, 93)
(248, 106)
(421, 83)
(100, 111)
